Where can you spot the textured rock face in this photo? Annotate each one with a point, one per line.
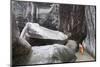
(90, 41)
(19, 46)
(81, 22)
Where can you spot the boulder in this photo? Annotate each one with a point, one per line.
(34, 30)
(38, 35)
(55, 53)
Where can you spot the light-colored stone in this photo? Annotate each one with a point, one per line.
(34, 30)
(55, 53)
(72, 44)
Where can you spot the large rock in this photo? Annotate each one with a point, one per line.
(55, 53)
(34, 30)
(37, 35)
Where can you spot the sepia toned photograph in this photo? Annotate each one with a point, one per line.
(52, 33)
